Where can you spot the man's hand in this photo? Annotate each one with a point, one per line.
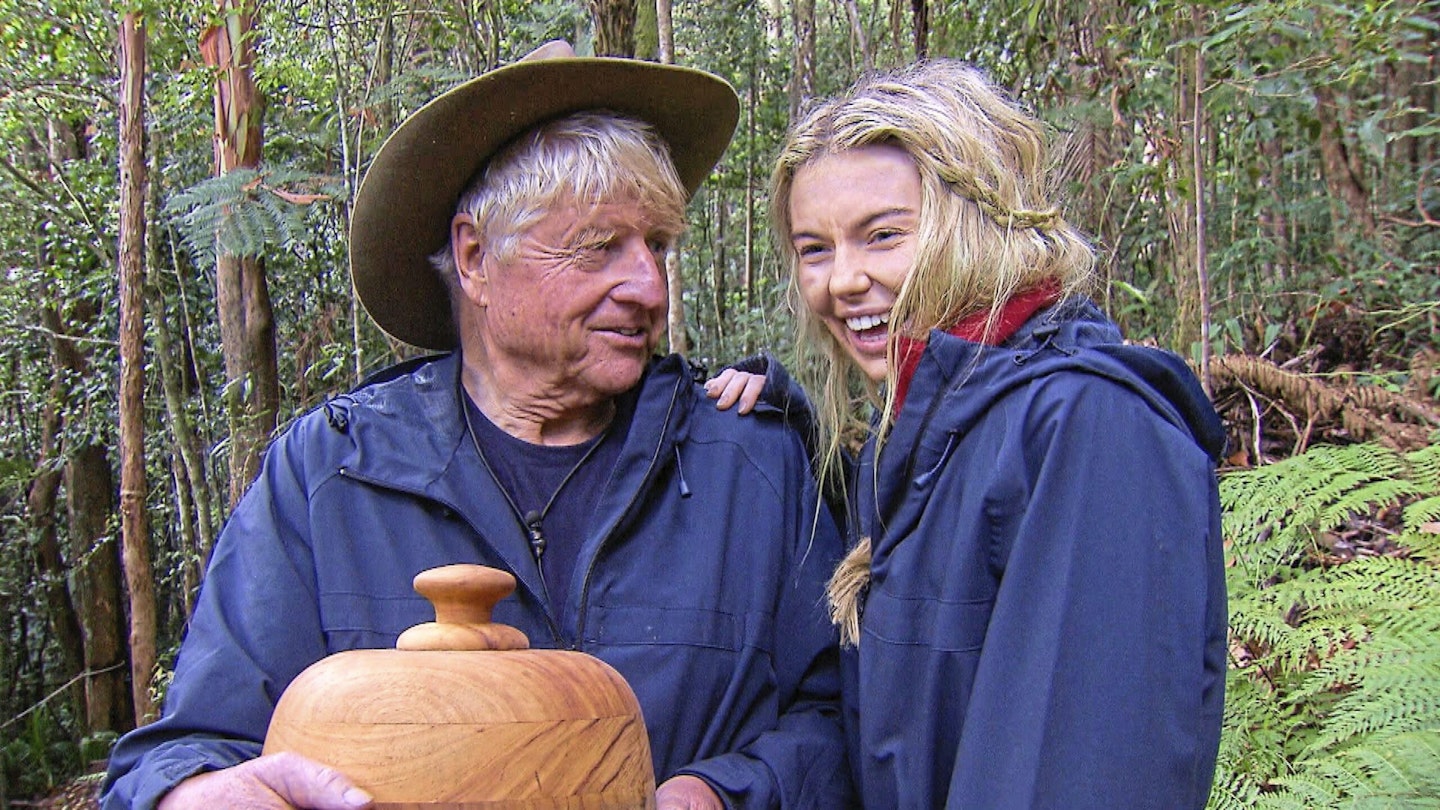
(687, 793)
(731, 386)
(271, 782)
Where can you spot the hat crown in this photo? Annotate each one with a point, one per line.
(404, 206)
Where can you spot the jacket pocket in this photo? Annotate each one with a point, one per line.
(916, 620)
(611, 625)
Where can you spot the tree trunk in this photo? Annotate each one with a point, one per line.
(247, 321)
(614, 27)
(920, 13)
(774, 23)
(675, 320)
(751, 103)
(1342, 169)
(134, 525)
(857, 28)
(41, 501)
(647, 30)
(665, 32)
(720, 289)
(191, 479)
(802, 76)
(90, 484)
(1202, 264)
(1179, 173)
(94, 565)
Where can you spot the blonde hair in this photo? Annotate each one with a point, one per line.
(586, 158)
(989, 226)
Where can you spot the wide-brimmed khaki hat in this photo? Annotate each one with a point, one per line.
(408, 197)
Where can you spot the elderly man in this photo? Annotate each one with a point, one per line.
(682, 545)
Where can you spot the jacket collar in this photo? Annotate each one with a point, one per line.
(409, 434)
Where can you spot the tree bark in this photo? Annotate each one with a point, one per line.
(751, 104)
(678, 337)
(134, 524)
(1202, 263)
(857, 28)
(802, 76)
(94, 565)
(647, 30)
(1342, 169)
(665, 31)
(1174, 137)
(247, 320)
(614, 27)
(920, 13)
(89, 485)
(40, 501)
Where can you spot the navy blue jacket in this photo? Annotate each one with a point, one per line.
(701, 582)
(1045, 623)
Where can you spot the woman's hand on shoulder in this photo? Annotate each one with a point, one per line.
(733, 387)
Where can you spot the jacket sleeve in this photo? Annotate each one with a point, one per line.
(801, 762)
(1100, 680)
(255, 627)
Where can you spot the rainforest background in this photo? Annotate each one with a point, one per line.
(1263, 179)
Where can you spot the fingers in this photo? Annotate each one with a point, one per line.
(754, 384)
(730, 387)
(718, 388)
(306, 783)
(275, 782)
(687, 793)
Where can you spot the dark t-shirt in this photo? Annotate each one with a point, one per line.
(574, 476)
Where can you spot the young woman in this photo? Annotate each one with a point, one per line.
(1034, 605)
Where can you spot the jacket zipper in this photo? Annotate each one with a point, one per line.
(626, 513)
(556, 635)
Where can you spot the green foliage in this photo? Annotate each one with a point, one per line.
(246, 211)
(35, 760)
(1334, 692)
(1285, 251)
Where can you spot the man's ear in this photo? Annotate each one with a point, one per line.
(468, 251)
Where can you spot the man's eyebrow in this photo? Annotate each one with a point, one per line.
(589, 233)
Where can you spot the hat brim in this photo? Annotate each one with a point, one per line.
(405, 203)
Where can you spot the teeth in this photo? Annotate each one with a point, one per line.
(866, 322)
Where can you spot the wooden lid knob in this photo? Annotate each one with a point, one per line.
(464, 596)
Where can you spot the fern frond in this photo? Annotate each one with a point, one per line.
(1334, 699)
(242, 212)
(1425, 465)
(1422, 511)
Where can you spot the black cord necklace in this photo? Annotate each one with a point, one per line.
(533, 520)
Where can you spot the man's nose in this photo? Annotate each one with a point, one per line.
(643, 271)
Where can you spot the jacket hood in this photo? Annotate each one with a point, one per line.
(957, 381)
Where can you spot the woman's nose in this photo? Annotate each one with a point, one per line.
(848, 274)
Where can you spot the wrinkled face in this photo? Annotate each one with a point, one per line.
(581, 304)
(854, 217)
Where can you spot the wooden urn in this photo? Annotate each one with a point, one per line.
(463, 715)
